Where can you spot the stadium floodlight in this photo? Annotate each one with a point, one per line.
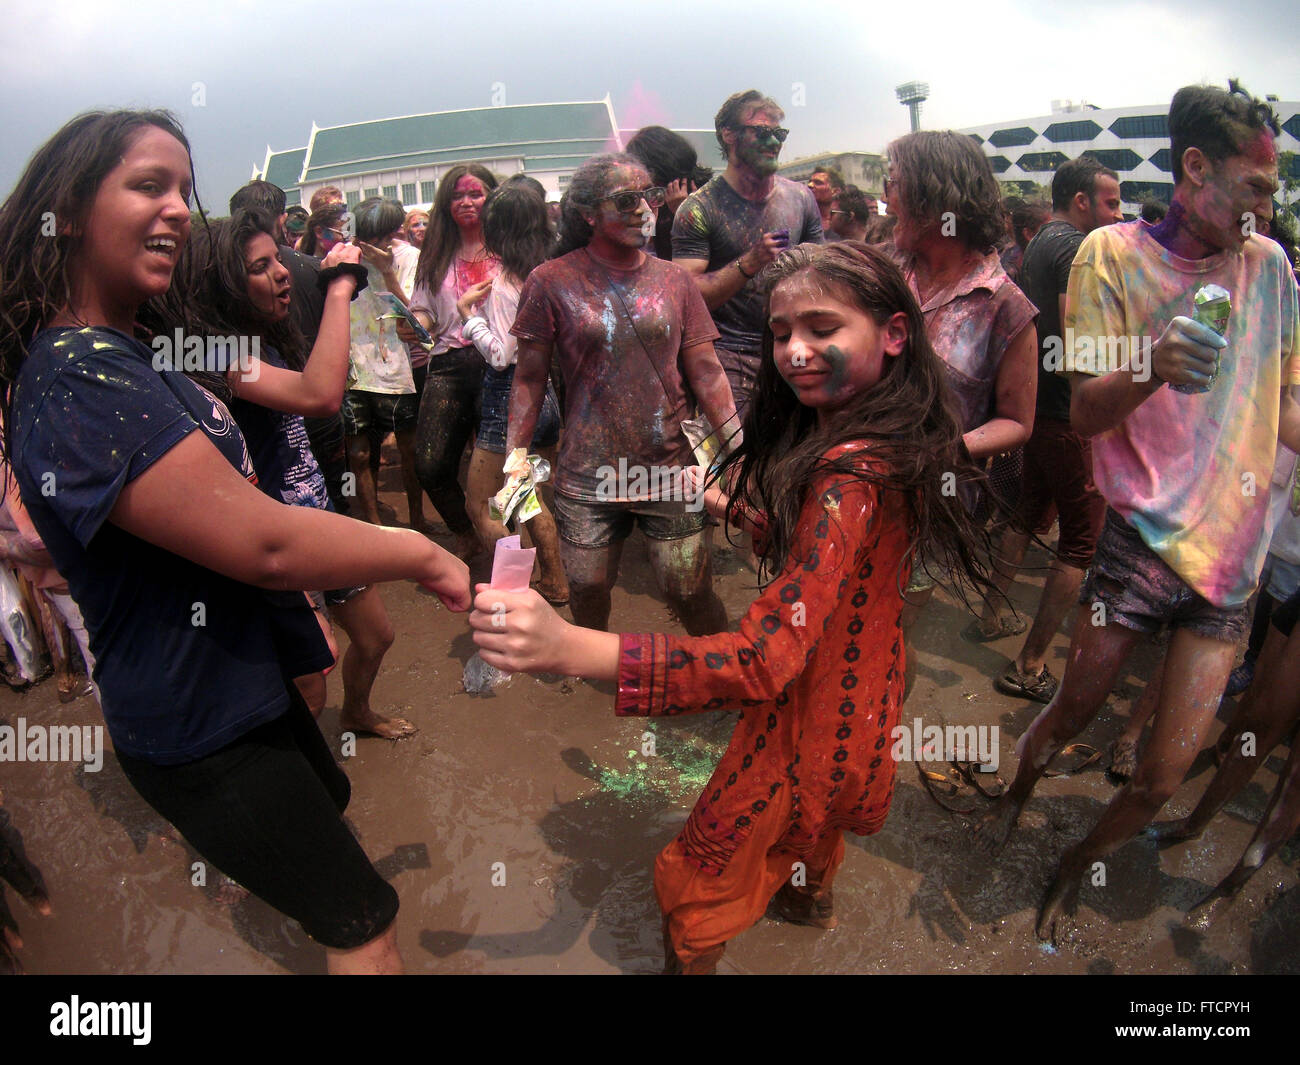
(913, 94)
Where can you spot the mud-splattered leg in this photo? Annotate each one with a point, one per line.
(684, 571)
(1097, 653)
(1197, 668)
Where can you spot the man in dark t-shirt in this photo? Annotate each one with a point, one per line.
(725, 233)
(1057, 475)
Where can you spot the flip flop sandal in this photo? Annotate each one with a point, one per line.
(1013, 626)
(1040, 688)
(1091, 754)
(943, 789)
(970, 773)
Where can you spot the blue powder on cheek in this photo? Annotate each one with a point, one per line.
(839, 363)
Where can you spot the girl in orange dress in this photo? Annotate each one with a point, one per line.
(842, 470)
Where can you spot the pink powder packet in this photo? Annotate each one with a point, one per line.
(512, 565)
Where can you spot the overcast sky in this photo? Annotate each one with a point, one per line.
(266, 70)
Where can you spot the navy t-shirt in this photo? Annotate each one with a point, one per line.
(185, 659)
(286, 468)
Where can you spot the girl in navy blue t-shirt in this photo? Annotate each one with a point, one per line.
(141, 487)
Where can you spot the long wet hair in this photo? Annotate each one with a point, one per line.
(907, 421)
(442, 238)
(42, 221)
(517, 229)
(590, 185)
(209, 294)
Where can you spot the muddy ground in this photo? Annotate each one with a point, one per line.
(540, 777)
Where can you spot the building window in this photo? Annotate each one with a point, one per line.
(564, 180)
(408, 193)
(1059, 132)
(1137, 191)
(1040, 161)
(427, 190)
(1162, 161)
(1141, 126)
(1116, 158)
(352, 197)
(1008, 138)
(390, 192)
(999, 163)
(370, 193)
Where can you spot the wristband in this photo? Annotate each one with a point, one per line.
(354, 270)
(746, 276)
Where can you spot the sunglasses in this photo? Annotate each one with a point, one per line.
(630, 199)
(764, 132)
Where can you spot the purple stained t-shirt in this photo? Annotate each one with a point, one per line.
(617, 404)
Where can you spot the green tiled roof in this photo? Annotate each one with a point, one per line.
(283, 168)
(545, 135)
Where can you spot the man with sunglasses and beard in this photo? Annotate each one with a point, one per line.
(737, 224)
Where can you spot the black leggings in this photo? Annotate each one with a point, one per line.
(267, 811)
(449, 412)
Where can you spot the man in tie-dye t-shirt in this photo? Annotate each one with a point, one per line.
(1185, 473)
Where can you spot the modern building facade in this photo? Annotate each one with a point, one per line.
(1132, 141)
(404, 158)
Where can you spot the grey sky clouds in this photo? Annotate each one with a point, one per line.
(268, 69)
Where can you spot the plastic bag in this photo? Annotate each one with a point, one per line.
(512, 569)
(17, 626)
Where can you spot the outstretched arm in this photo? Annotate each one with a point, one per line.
(276, 546)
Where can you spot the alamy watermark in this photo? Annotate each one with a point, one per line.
(53, 743)
(919, 742)
(207, 354)
(635, 483)
(1098, 354)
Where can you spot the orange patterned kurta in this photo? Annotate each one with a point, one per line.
(817, 669)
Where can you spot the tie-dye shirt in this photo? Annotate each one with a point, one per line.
(1190, 472)
(379, 360)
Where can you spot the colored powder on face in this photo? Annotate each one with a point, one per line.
(839, 364)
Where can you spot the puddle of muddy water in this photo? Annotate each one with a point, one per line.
(520, 828)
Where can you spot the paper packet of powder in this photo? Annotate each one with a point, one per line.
(512, 565)
(524, 472)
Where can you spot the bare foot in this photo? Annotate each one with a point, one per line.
(556, 595)
(1062, 897)
(994, 828)
(1123, 759)
(387, 728)
(1208, 910)
(467, 546)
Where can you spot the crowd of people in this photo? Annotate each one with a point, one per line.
(867, 405)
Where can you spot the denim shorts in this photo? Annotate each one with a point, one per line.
(1141, 592)
(587, 524)
(494, 414)
(381, 412)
